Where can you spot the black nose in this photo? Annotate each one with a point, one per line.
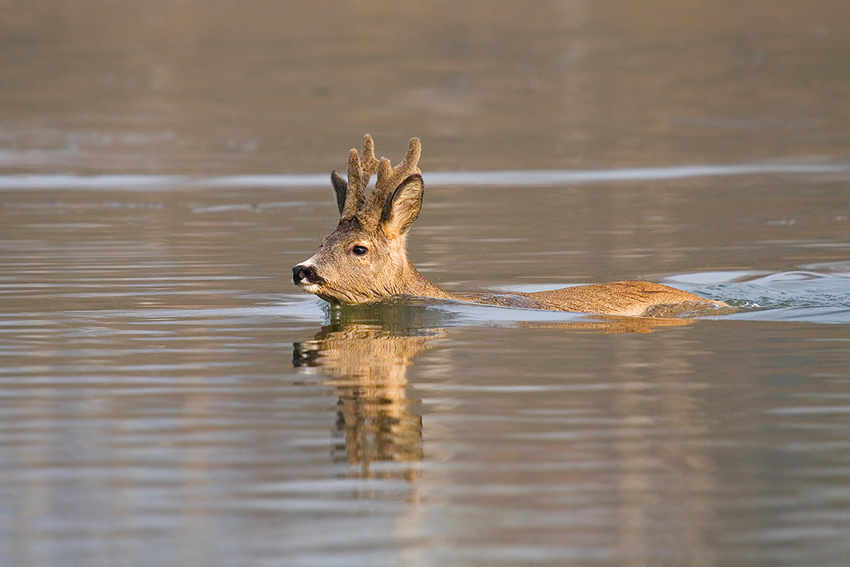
(303, 273)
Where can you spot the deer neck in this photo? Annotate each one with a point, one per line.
(418, 285)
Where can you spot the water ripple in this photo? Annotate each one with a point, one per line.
(441, 178)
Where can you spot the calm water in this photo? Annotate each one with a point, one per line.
(167, 397)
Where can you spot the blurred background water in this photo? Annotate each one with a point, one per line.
(168, 398)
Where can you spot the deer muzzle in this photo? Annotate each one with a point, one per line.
(306, 274)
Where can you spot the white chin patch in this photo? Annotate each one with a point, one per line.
(309, 287)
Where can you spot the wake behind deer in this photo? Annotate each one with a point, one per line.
(365, 258)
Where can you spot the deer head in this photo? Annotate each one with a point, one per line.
(365, 258)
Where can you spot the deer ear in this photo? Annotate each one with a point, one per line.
(402, 208)
(340, 188)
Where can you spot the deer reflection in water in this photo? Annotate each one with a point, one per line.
(365, 353)
(367, 365)
(366, 360)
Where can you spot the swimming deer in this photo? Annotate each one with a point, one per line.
(365, 258)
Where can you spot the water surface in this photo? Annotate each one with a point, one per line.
(167, 397)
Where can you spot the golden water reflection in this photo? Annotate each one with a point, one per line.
(365, 353)
(366, 364)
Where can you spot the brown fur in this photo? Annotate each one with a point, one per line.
(341, 272)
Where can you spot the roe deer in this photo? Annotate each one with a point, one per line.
(365, 258)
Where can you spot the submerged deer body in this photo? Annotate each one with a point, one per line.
(365, 258)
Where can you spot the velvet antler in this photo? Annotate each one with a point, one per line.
(389, 178)
(351, 194)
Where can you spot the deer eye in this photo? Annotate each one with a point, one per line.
(359, 250)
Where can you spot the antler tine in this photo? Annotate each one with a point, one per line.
(390, 177)
(360, 170)
(369, 162)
